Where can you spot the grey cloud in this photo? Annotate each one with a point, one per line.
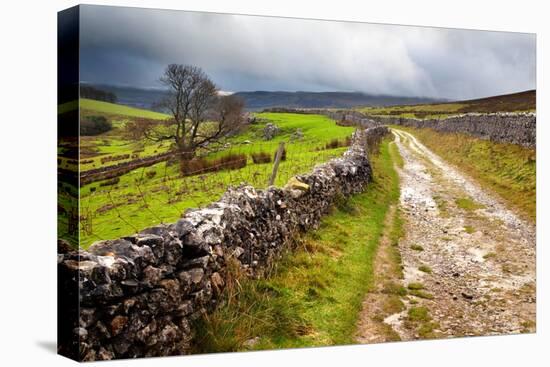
(132, 46)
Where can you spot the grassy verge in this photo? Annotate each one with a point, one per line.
(314, 296)
(384, 298)
(507, 169)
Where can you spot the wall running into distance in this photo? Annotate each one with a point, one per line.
(138, 296)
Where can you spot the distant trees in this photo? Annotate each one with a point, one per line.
(94, 125)
(90, 92)
(200, 117)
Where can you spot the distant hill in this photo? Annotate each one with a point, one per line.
(261, 99)
(87, 91)
(148, 98)
(522, 101)
(134, 97)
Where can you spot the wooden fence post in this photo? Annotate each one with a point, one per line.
(278, 157)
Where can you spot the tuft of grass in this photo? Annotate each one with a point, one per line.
(416, 289)
(507, 169)
(417, 247)
(420, 294)
(468, 204)
(311, 298)
(469, 229)
(418, 314)
(259, 308)
(415, 286)
(426, 330)
(393, 305)
(489, 255)
(395, 289)
(419, 318)
(425, 269)
(390, 334)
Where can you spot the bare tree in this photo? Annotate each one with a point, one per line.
(199, 117)
(228, 112)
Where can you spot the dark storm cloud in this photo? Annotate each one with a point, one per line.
(132, 46)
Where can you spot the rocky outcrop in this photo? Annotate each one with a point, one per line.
(513, 128)
(270, 131)
(138, 296)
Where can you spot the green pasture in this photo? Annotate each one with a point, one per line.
(117, 109)
(114, 142)
(159, 194)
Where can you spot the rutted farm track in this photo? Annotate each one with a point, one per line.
(468, 262)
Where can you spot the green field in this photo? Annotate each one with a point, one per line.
(94, 149)
(159, 194)
(314, 297)
(117, 109)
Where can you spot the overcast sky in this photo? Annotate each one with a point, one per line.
(132, 46)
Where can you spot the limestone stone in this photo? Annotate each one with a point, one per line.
(139, 295)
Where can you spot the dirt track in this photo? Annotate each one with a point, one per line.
(477, 257)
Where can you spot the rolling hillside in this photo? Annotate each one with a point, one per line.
(262, 99)
(522, 101)
(258, 100)
(117, 109)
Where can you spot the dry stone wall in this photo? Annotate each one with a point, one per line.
(138, 296)
(514, 128)
(119, 169)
